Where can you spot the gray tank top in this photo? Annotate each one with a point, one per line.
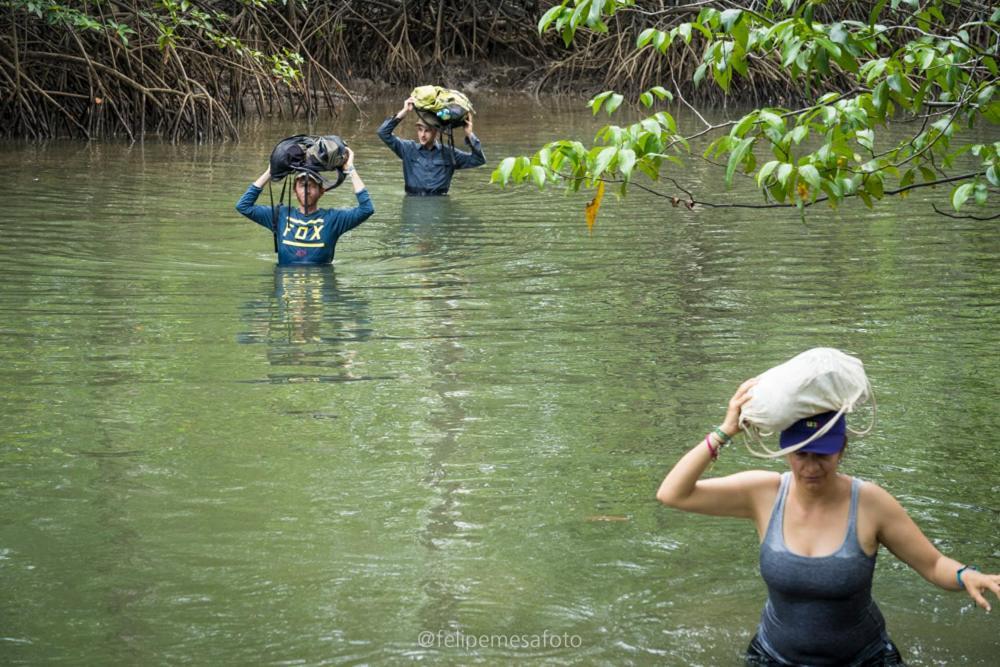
(819, 610)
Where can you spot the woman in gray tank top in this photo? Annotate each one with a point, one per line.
(820, 531)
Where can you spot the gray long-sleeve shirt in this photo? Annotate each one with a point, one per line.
(428, 171)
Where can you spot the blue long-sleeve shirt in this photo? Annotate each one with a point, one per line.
(306, 239)
(428, 171)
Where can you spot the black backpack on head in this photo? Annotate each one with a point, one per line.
(311, 154)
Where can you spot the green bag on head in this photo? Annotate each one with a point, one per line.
(441, 108)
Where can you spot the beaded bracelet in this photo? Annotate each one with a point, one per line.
(711, 450)
(958, 575)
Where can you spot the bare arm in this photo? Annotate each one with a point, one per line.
(263, 179)
(349, 169)
(734, 495)
(898, 532)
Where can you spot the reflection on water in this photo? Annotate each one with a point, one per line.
(459, 426)
(308, 323)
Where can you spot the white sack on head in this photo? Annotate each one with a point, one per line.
(819, 380)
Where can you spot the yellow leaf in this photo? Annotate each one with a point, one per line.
(594, 206)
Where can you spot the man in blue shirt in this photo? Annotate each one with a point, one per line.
(307, 234)
(427, 165)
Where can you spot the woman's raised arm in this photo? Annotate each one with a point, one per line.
(734, 495)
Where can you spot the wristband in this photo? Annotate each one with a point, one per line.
(724, 437)
(958, 575)
(349, 170)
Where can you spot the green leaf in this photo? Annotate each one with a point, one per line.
(738, 60)
(666, 120)
(545, 156)
(766, 170)
(981, 193)
(810, 175)
(927, 58)
(613, 103)
(799, 133)
(745, 124)
(646, 98)
(598, 100)
(595, 11)
(896, 83)
(684, 30)
(729, 18)
(772, 119)
(737, 157)
(522, 169)
(961, 194)
(832, 189)
(789, 52)
(503, 171)
(567, 33)
(661, 41)
(985, 95)
(699, 73)
(549, 16)
(875, 12)
(874, 69)
(784, 171)
(875, 187)
(626, 161)
(651, 170)
(839, 34)
(604, 158)
(880, 96)
(719, 145)
(993, 176)
(866, 138)
(644, 37)
(662, 93)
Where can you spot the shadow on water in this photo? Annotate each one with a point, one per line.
(308, 324)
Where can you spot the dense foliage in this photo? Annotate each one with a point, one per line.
(189, 69)
(931, 66)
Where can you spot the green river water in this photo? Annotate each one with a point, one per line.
(450, 442)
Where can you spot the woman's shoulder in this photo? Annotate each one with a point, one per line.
(873, 497)
(867, 487)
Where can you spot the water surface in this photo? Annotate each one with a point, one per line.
(459, 428)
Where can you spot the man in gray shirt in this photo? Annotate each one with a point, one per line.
(427, 165)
